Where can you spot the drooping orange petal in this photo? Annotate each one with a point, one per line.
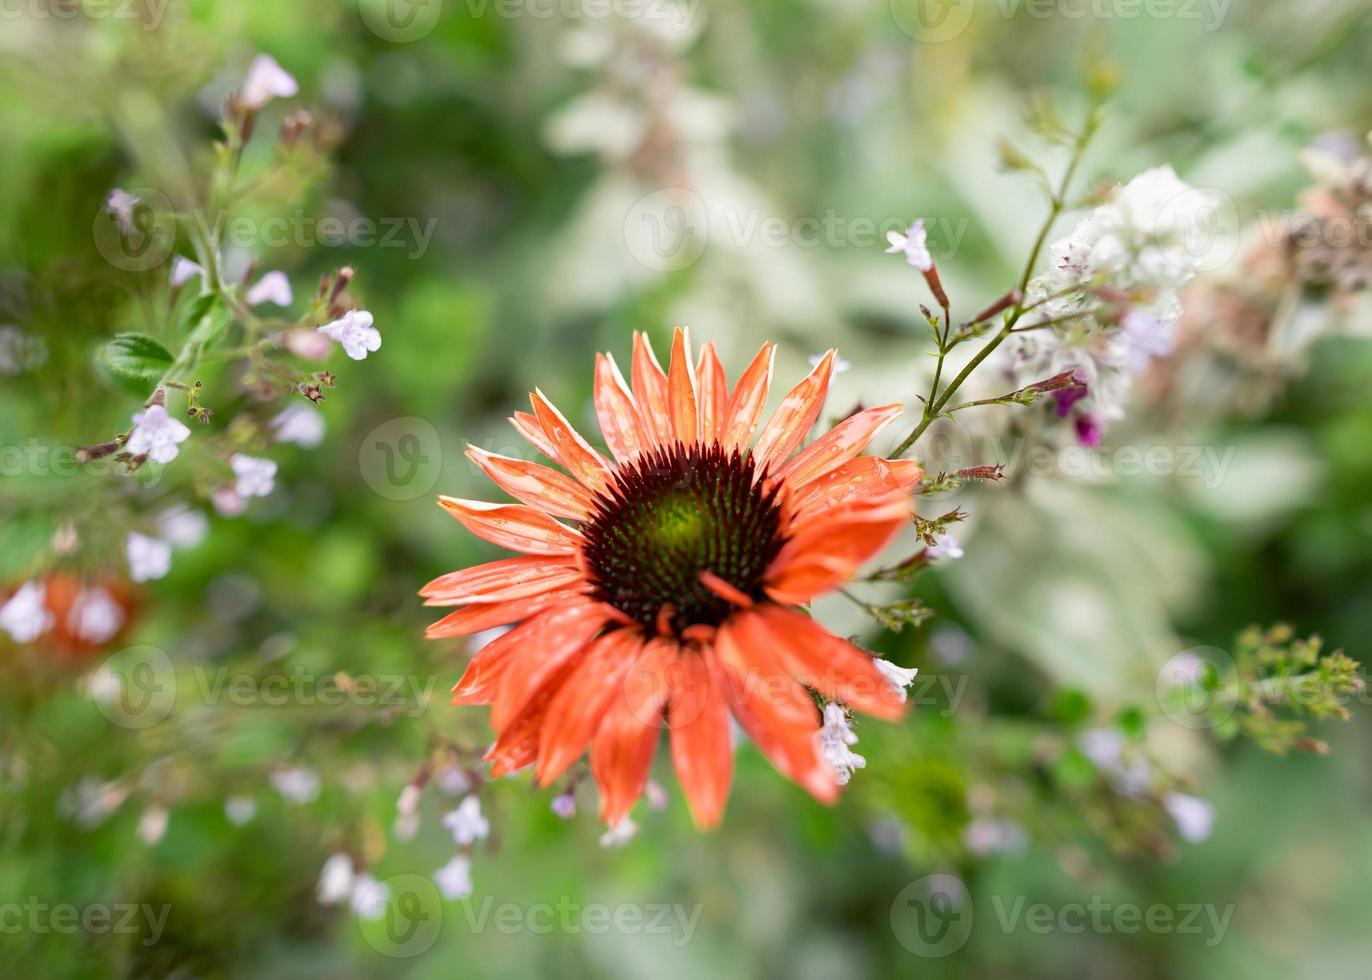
(787, 427)
(714, 394)
(517, 744)
(480, 683)
(564, 631)
(823, 661)
(702, 752)
(748, 400)
(858, 479)
(650, 391)
(528, 426)
(574, 452)
(534, 484)
(498, 581)
(827, 552)
(838, 445)
(622, 750)
(681, 388)
(614, 407)
(513, 526)
(774, 710)
(488, 615)
(579, 705)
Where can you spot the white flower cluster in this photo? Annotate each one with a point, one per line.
(1112, 296)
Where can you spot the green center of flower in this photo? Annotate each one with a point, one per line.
(671, 514)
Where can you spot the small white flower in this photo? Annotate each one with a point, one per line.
(335, 880)
(183, 271)
(121, 203)
(240, 810)
(149, 558)
(1107, 750)
(90, 802)
(453, 781)
(466, 822)
(564, 805)
(298, 784)
(989, 835)
(182, 527)
(1194, 817)
(227, 503)
(104, 685)
(914, 244)
(900, 677)
(265, 81)
(254, 476)
(454, 879)
(25, 616)
(1143, 338)
(355, 332)
(620, 834)
(370, 897)
(94, 616)
(152, 824)
(409, 799)
(945, 546)
(300, 423)
(273, 287)
(834, 738)
(156, 434)
(406, 826)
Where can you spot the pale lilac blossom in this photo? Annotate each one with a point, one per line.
(335, 880)
(945, 546)
(94, 616)
(25, 615)
(300, 423)
(466, 823)
(454, 879)
(149, 557)
(835, 736)
(273, 287)
(354, 331)
(620, 834)
(182, 527)
(253, 475)
(370, 897)
(899, 677)
(156, 435)
(121, 203)
(1194, 817)
(914, 245)
(183, 270)
(265, 81)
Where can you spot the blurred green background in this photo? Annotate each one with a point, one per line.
(513, 159)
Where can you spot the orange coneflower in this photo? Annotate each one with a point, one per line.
(670, 600)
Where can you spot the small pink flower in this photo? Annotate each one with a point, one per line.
(266, 80)
(273, 287)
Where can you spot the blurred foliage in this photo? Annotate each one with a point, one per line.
(513, 260)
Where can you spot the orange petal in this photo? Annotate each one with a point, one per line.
(513, 526)
(614, 407)
(748, 400)
(528, 426)
(828, 551)
(650, 392)
(534, 484)
(488, 615)
(787, 427)
(517, 744)
(702, 751)
(838, 445)
(832, 666)
(498, 581)
(579, 705)
(562, 633)
(574, 452)
(681, 388)
(714, 394)
(622, 751)
(858, 479)
(480, 683)
(774, 710)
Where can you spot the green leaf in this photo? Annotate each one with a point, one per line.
(211, 321)
(135, 357)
